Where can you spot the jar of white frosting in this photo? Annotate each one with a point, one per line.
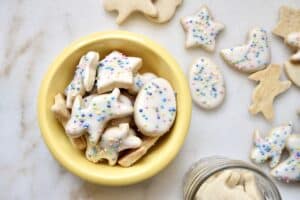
(200, 181)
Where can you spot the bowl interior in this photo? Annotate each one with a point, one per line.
(61, 72)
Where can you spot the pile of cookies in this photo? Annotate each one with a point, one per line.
(112, 112)
(208, 87)
(158, 11)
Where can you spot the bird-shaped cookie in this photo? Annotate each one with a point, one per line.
(253, 56)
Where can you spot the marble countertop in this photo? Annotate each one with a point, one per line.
(33, 33)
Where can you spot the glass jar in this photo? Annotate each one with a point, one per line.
(204, 168)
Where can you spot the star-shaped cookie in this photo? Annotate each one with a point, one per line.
(268, 88)
(127, 7)
(201, 30)
(289, 21)
(116, 71)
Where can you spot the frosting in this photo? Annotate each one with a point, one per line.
(84, 77)
(139, 81)
(293, 39)
(113, 141)
(116, 71)
(155, 107)
(201, 29)
(206, 83)
(270, 147)
(289, 170)
(93, 117)
(253, 56)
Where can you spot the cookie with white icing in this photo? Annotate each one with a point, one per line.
(289, 170)
(113, 141)
(270, 147)
(84, 77)
(201, 30)
(139, 81)
(116, 71)
(93, 117)
(155, 107)
(293, 40)
(253, 56)
(206, 83)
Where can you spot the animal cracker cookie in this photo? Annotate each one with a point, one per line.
(116, 71)
(268, 88)
(62, 114)
(293, 72)
(139, 81)
(136, 154)
(206, 83)
(201, 30)
(166, 10)
(93, 118)
(127, 7)
(113, 141)
(270, 147)
(289, 21)
(253, 56)
(289, 170)
(293, 40)
(84, 77)
(155, 107)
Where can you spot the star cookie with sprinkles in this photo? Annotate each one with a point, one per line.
(201, 29)
(116, 71)
(289, 21)
(268, 88)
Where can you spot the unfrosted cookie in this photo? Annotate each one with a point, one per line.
(155, 107)
(289, 21)
(93, 117)
(116, 71)
(113, 141)
(289, 170)
(84, 77)
(293, 72)
(166, 10)
(201, 30)
(127, 7)
(270, 147)
(206, 83)
(253, 56)
(268, 88)
(293, 40)
(139, 81)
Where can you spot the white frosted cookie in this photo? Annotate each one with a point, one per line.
(113, 141)
(289, 170)
(293, 40)
(84, 77)
(201, 30)
(99, 110)
(270, 147)
(206, 83)
(116, 71)
(155, 107)
(139, 81)
(253, 56)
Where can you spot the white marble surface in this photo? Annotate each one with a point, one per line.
(33, 32)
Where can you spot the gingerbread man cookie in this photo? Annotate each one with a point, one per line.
(270, 147)
(201, 29)
(289, 170)
(253, 56)
(93, 118)
(116, 71)
(84, 77)
(268, 88)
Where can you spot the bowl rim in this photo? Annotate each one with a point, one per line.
(100, 36)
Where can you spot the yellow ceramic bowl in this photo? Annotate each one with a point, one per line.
(155, 59)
